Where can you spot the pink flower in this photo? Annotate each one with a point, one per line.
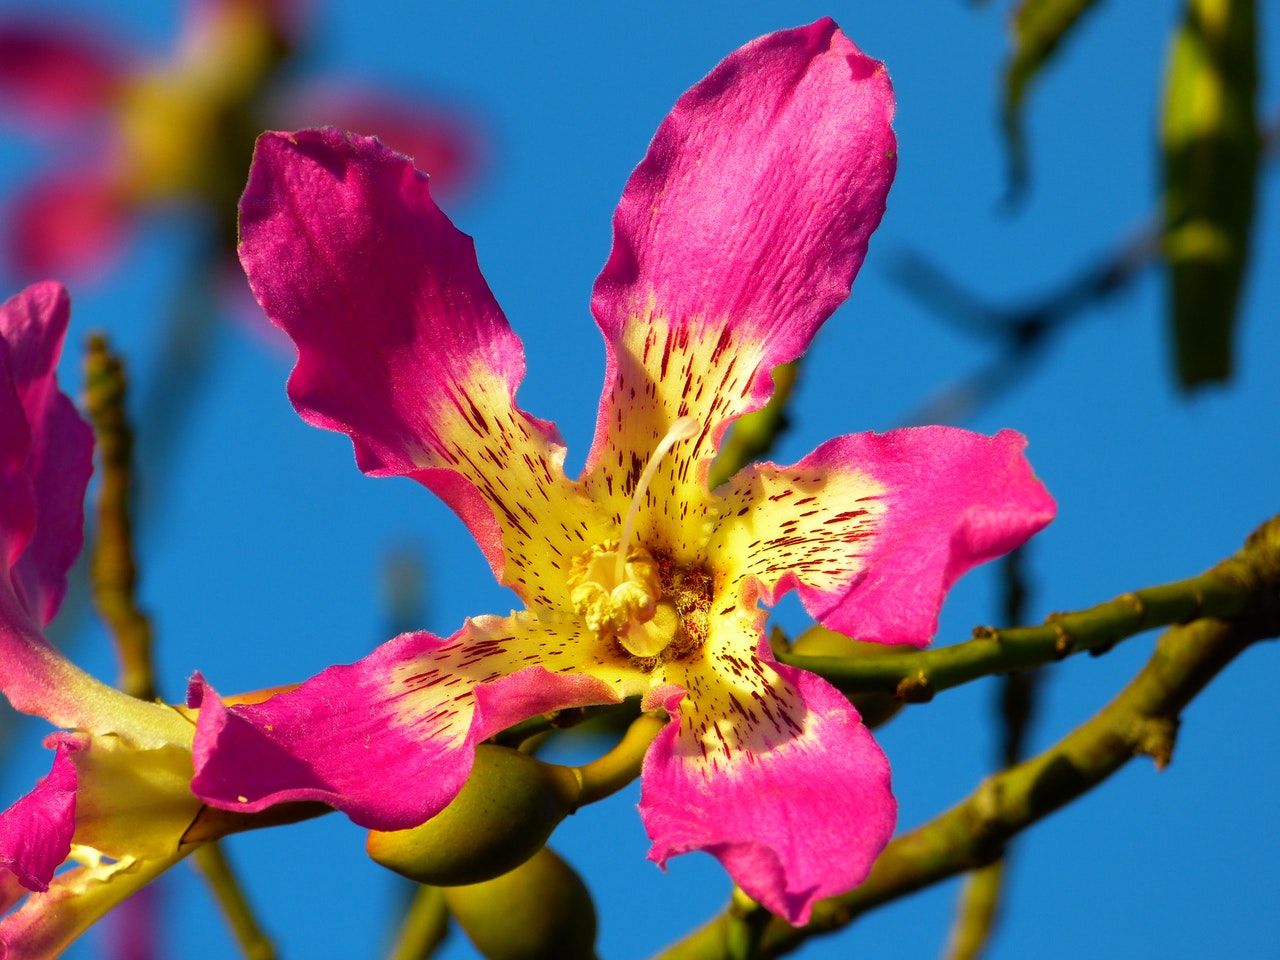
(176, 132)
(118, 798)
(736, 237)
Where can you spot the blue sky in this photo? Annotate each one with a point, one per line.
(264, 546)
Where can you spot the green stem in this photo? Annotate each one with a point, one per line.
(211, 861)
(1142, 719)
(617, 768)
(426, 924)
(978, 906)
(746, 923)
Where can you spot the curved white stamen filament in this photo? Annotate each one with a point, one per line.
(683, 429)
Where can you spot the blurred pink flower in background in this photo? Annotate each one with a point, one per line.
(131, 133)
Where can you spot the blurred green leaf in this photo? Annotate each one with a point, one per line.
(1039, 27)
(1211, 154)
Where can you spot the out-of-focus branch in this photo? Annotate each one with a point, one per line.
(1024, 329)
(113, 571)
(213, 865)
(113, 578)
(978, 907)
(977, 910)
(425, 925)
(1142, 719)
(1017, 697)
(1039, 28)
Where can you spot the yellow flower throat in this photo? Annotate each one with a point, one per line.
(625, 593)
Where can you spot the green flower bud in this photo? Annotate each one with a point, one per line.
(818, 641)
(541, 910)
(503, 815)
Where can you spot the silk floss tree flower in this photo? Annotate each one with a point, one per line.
(118, 800)
(736, 237)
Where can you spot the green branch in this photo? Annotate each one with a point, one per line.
(1142, 719)
(212, 863)
(425, 925)
(977, 911)
(608, 774)
(915, 676)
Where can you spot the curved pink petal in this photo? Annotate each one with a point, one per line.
(36, 679)
(35, 833)
(55, 72)
(69, 223)
(47, 453)
(17, 493)
(412, 711)
(793, 821)
(891, 521)
(744, 226)
(400, 343)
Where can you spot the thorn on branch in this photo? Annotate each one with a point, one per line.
(1135, 601)
(1064, 643)
(914, 689)
(1157, 739)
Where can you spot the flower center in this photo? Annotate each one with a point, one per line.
(617, 589)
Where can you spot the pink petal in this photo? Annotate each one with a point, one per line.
(48, 451)
(400, 343)
(37, 679)
(792, 819)
(47, 923)
(124, 809)
(35, 833)
(54, 73)
(68, 224)
(890, 522)
(412, 711)
(744, 226)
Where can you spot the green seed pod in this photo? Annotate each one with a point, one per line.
(539, 911)
(503, 815)
(818, 641)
